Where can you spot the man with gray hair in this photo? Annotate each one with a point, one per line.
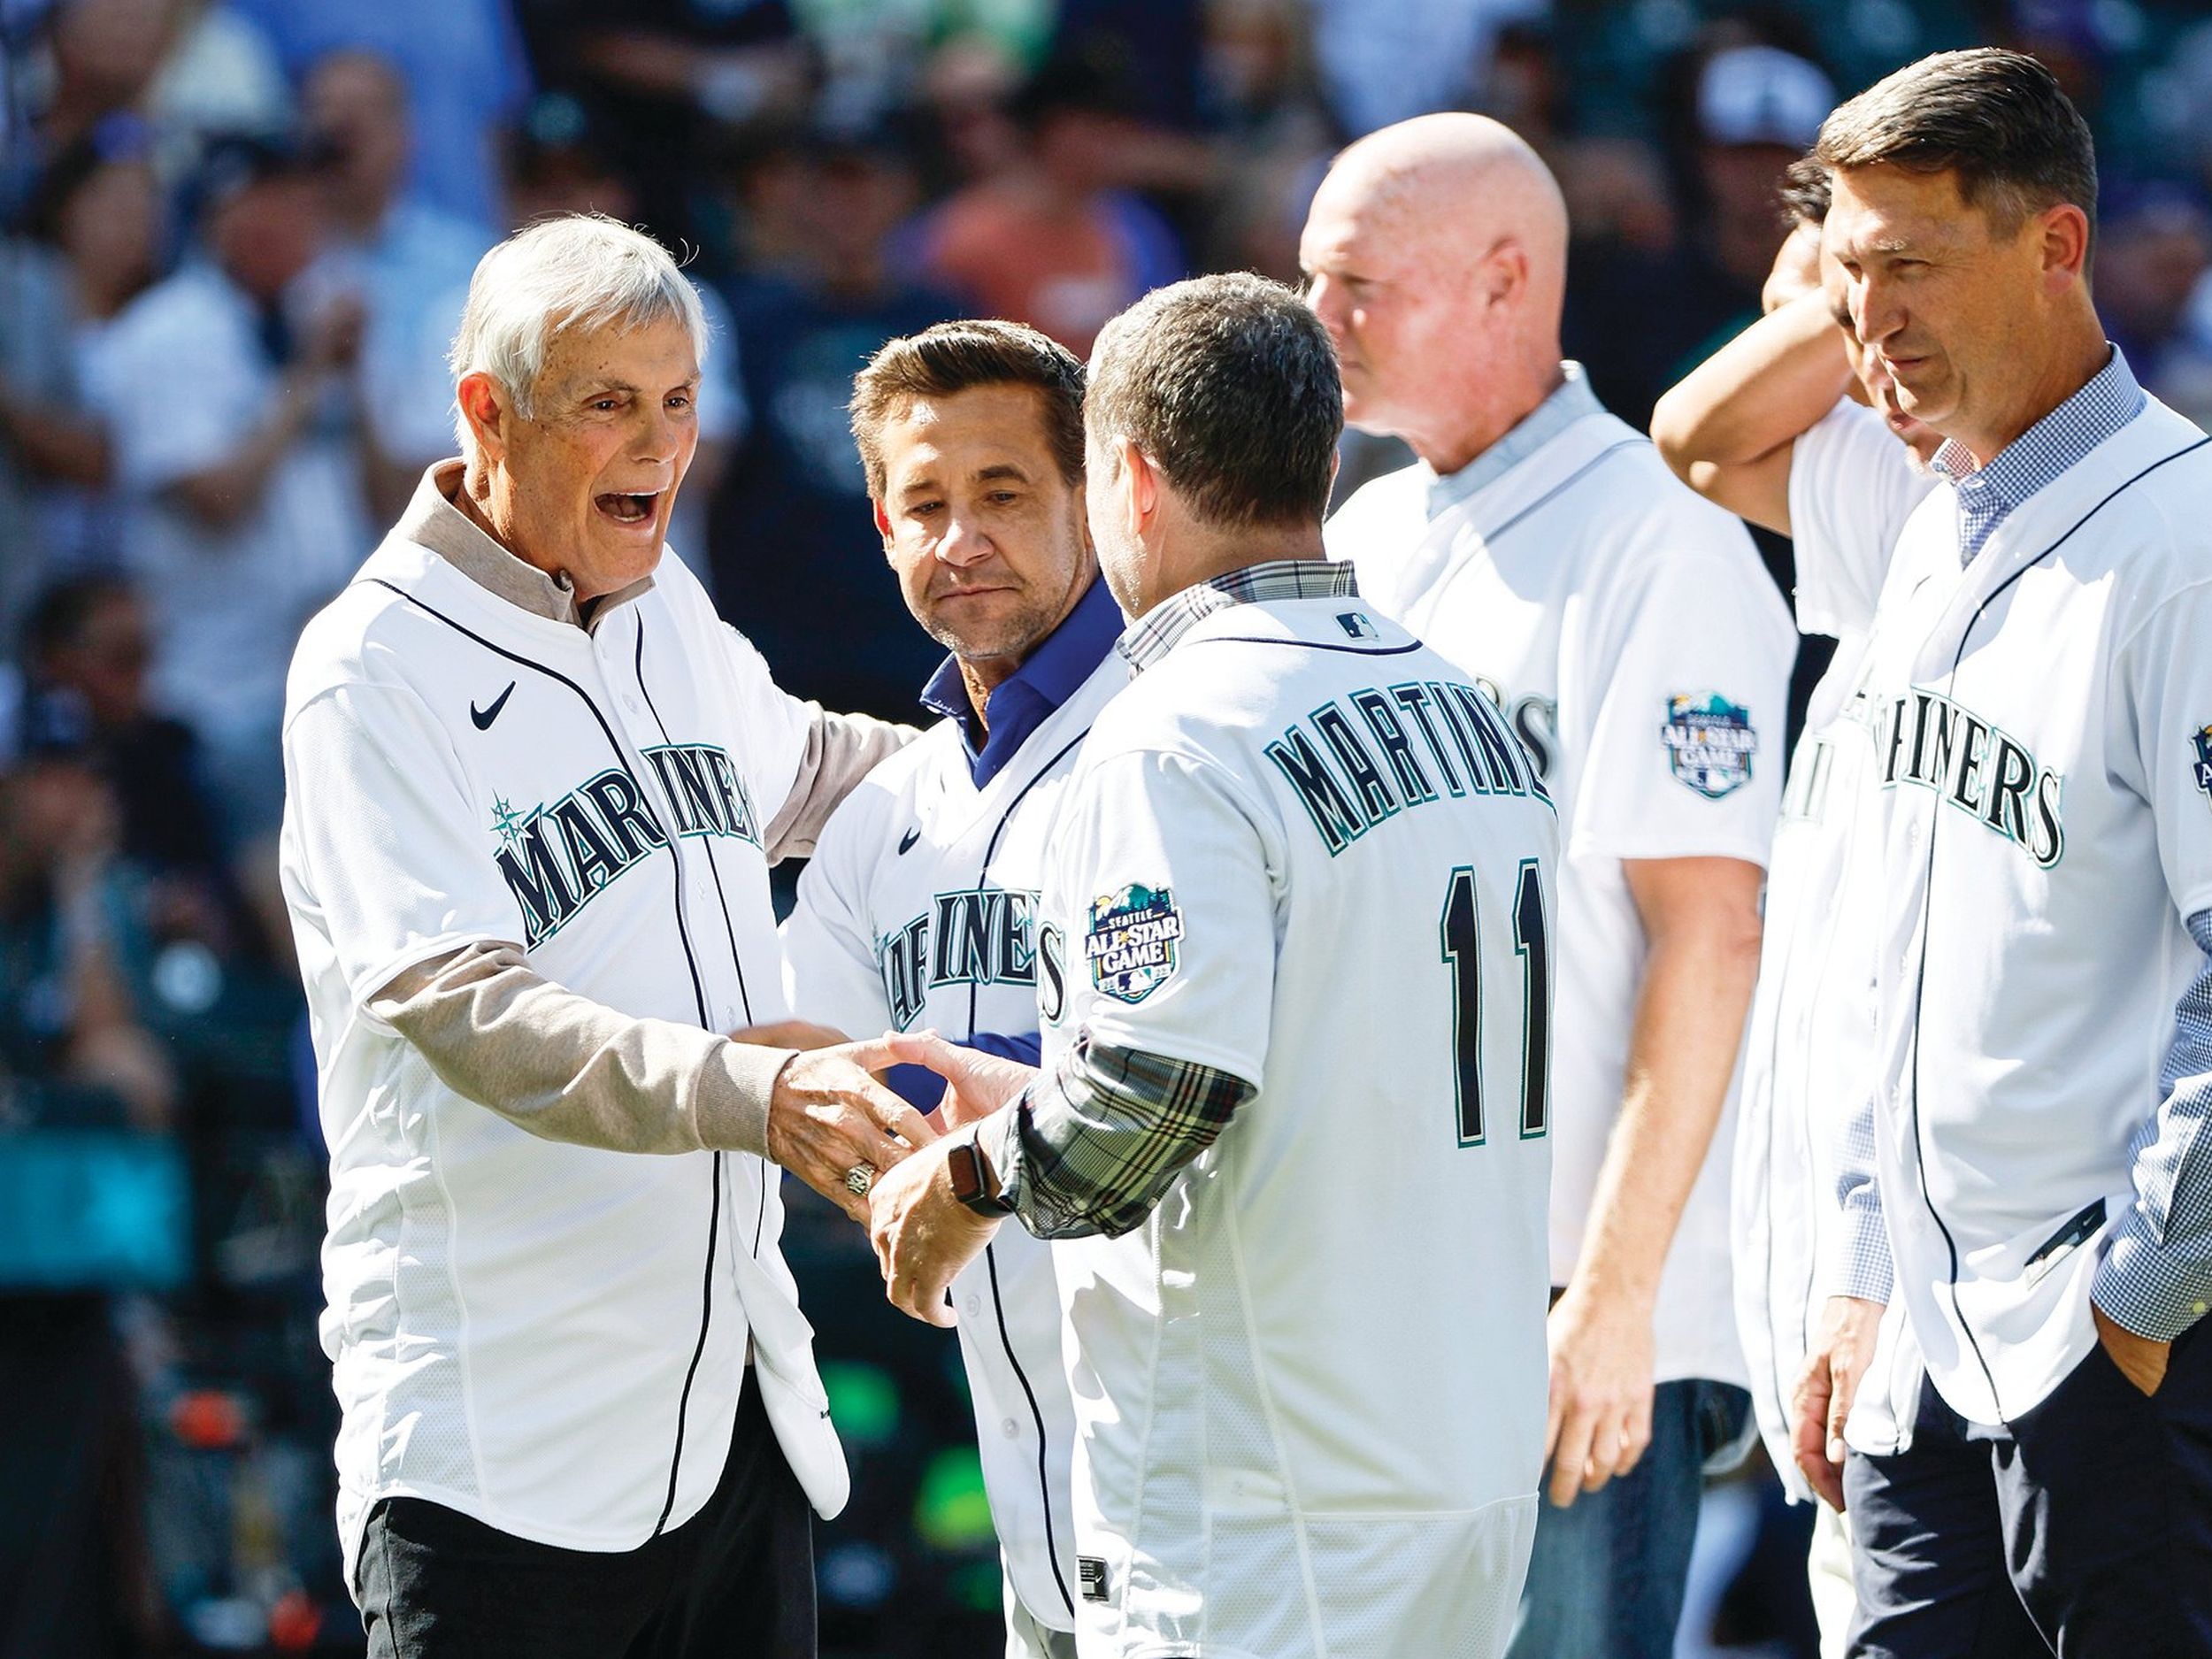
(534, 788)
(1276, 1129)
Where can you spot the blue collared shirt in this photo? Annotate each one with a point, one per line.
(1569, 402)
(1986, 495)
(1027, 698)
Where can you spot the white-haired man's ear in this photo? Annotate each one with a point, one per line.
(485, 407)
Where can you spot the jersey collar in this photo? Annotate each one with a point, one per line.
(1569, 402)
(1985, 496)
(432, 521)
(1027, 698)
(1147, 641)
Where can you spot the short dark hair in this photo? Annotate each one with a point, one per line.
(949, 358)
(1806, 191)
(1998, 120)
(1229, 384)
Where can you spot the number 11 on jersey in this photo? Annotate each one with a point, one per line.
(1460, 927)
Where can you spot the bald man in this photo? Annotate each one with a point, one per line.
(1626, 630)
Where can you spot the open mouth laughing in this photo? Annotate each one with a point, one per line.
(629, 511)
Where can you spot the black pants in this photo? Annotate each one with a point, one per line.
(736, 1581)
(2083, 1528)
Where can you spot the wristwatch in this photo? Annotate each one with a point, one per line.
(971, 1183)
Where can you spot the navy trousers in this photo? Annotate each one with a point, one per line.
(2083, 1528)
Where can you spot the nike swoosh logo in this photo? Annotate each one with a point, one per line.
(913, 834)
(485, 717)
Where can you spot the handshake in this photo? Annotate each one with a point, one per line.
(832, 1124)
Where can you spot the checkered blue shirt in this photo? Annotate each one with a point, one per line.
(1986, 495)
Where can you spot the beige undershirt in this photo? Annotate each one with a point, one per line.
(542, 1056)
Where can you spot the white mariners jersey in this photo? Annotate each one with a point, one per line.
(1311, 1385)
(918, 911)
(517, 1326)
(1809, 1050)
(2045, 765)
(1631, 636)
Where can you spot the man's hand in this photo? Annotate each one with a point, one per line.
(2141, 1359)
(976, 1084)
(790, 1034)
(827, 1115)
(924, 1235)
(1600, 1417)
(1820, 1404)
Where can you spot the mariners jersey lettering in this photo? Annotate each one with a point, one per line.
(978, 936)
(2043, 841)
(1627, 634)
(918, 909)
(462, 770)
(1262, 866)
(1935, 742)
(557, 858)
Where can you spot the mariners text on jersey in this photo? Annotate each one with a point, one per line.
(978, 936)
(558, 857)
(1977, 768)
(1367, 766)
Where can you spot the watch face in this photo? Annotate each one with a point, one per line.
(967, 1178)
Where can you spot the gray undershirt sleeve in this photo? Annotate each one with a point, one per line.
(841, 750)
(568, 1068)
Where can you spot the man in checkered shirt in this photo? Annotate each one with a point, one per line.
(1293, 975)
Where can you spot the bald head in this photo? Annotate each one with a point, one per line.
(1454, 184)
(1436, 252)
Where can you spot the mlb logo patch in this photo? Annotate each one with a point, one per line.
(1356, 625)
(2203, 766)
(1130, 945)
(1710, 743)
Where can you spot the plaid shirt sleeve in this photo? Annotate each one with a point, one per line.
(2157, 1278)
(1094, 1145)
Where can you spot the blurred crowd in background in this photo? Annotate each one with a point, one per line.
(237, 234)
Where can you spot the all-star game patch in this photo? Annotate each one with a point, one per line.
(2203, 769)
(1710, 743)
(1130, 945)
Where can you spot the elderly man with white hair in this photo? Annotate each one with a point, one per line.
(1626, 630)
(534, 788)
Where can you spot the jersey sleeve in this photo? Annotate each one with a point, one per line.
(1852, 487)
(830, 973)
(2167, 710)
(1167, 891)
(382, 843)
(2156, 1277)
(1686, 695)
